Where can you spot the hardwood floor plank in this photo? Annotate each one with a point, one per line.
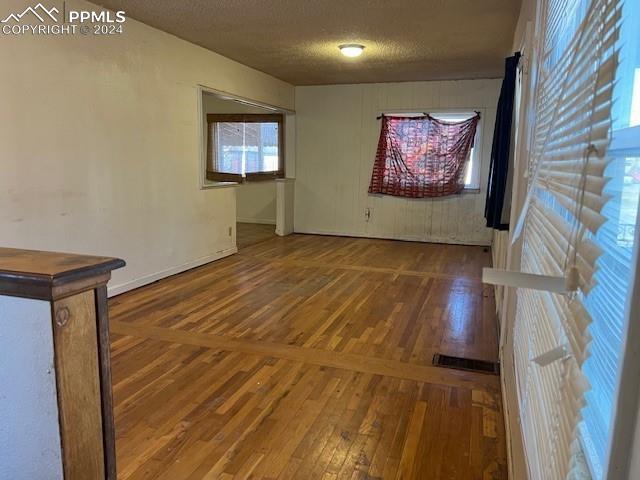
(251, 233)
(310, 358)
(410, 447)
(325, 358)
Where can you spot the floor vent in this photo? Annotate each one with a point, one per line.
(469, 364)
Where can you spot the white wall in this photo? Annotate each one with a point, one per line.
(507, 256)
(527, 14)
(29, 429)
(285, 193)
(100, 147)
(337, 134)
(256, 201)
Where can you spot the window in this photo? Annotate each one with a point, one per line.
(565, 341)
(472, 174)
(244, 147)
(426, 154)
(606, 304)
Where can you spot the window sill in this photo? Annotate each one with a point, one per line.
(263, 176)
(208, 185)
(217, 178)
(471, 190)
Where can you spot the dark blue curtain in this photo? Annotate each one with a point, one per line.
(500, 151)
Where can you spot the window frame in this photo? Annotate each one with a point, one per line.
(215, 176)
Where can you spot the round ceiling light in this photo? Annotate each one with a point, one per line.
(351, 49)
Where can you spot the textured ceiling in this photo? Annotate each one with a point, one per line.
(296, 40)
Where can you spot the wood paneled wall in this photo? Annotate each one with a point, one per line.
(337, 134)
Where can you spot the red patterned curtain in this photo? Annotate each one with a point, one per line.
(422, 156)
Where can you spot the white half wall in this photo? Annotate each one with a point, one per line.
(100, 147)
(29, 427)
(336, 139)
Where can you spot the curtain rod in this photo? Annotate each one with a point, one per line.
(425, 114)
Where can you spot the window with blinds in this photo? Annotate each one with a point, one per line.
(606, 303)
(244, 147)
(566, 226)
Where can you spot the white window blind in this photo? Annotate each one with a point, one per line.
(606, 303)
(565, 210)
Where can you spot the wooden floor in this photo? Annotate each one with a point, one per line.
(309, 357)
(252, 233)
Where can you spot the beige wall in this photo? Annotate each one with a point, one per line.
(256, 202)
(337, 134)
(100, 147)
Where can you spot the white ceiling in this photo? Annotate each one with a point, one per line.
(297, 40)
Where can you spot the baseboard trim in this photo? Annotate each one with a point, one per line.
(154, 277)
(404, 238)
(261, 221)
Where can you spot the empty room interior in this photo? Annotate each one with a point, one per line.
(320, 240)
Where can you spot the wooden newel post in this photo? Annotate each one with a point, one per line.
(55, 375)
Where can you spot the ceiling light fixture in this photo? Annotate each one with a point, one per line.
(351, 49)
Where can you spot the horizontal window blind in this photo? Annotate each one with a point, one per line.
(607, 302)
(576, 63)
(244, 146)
